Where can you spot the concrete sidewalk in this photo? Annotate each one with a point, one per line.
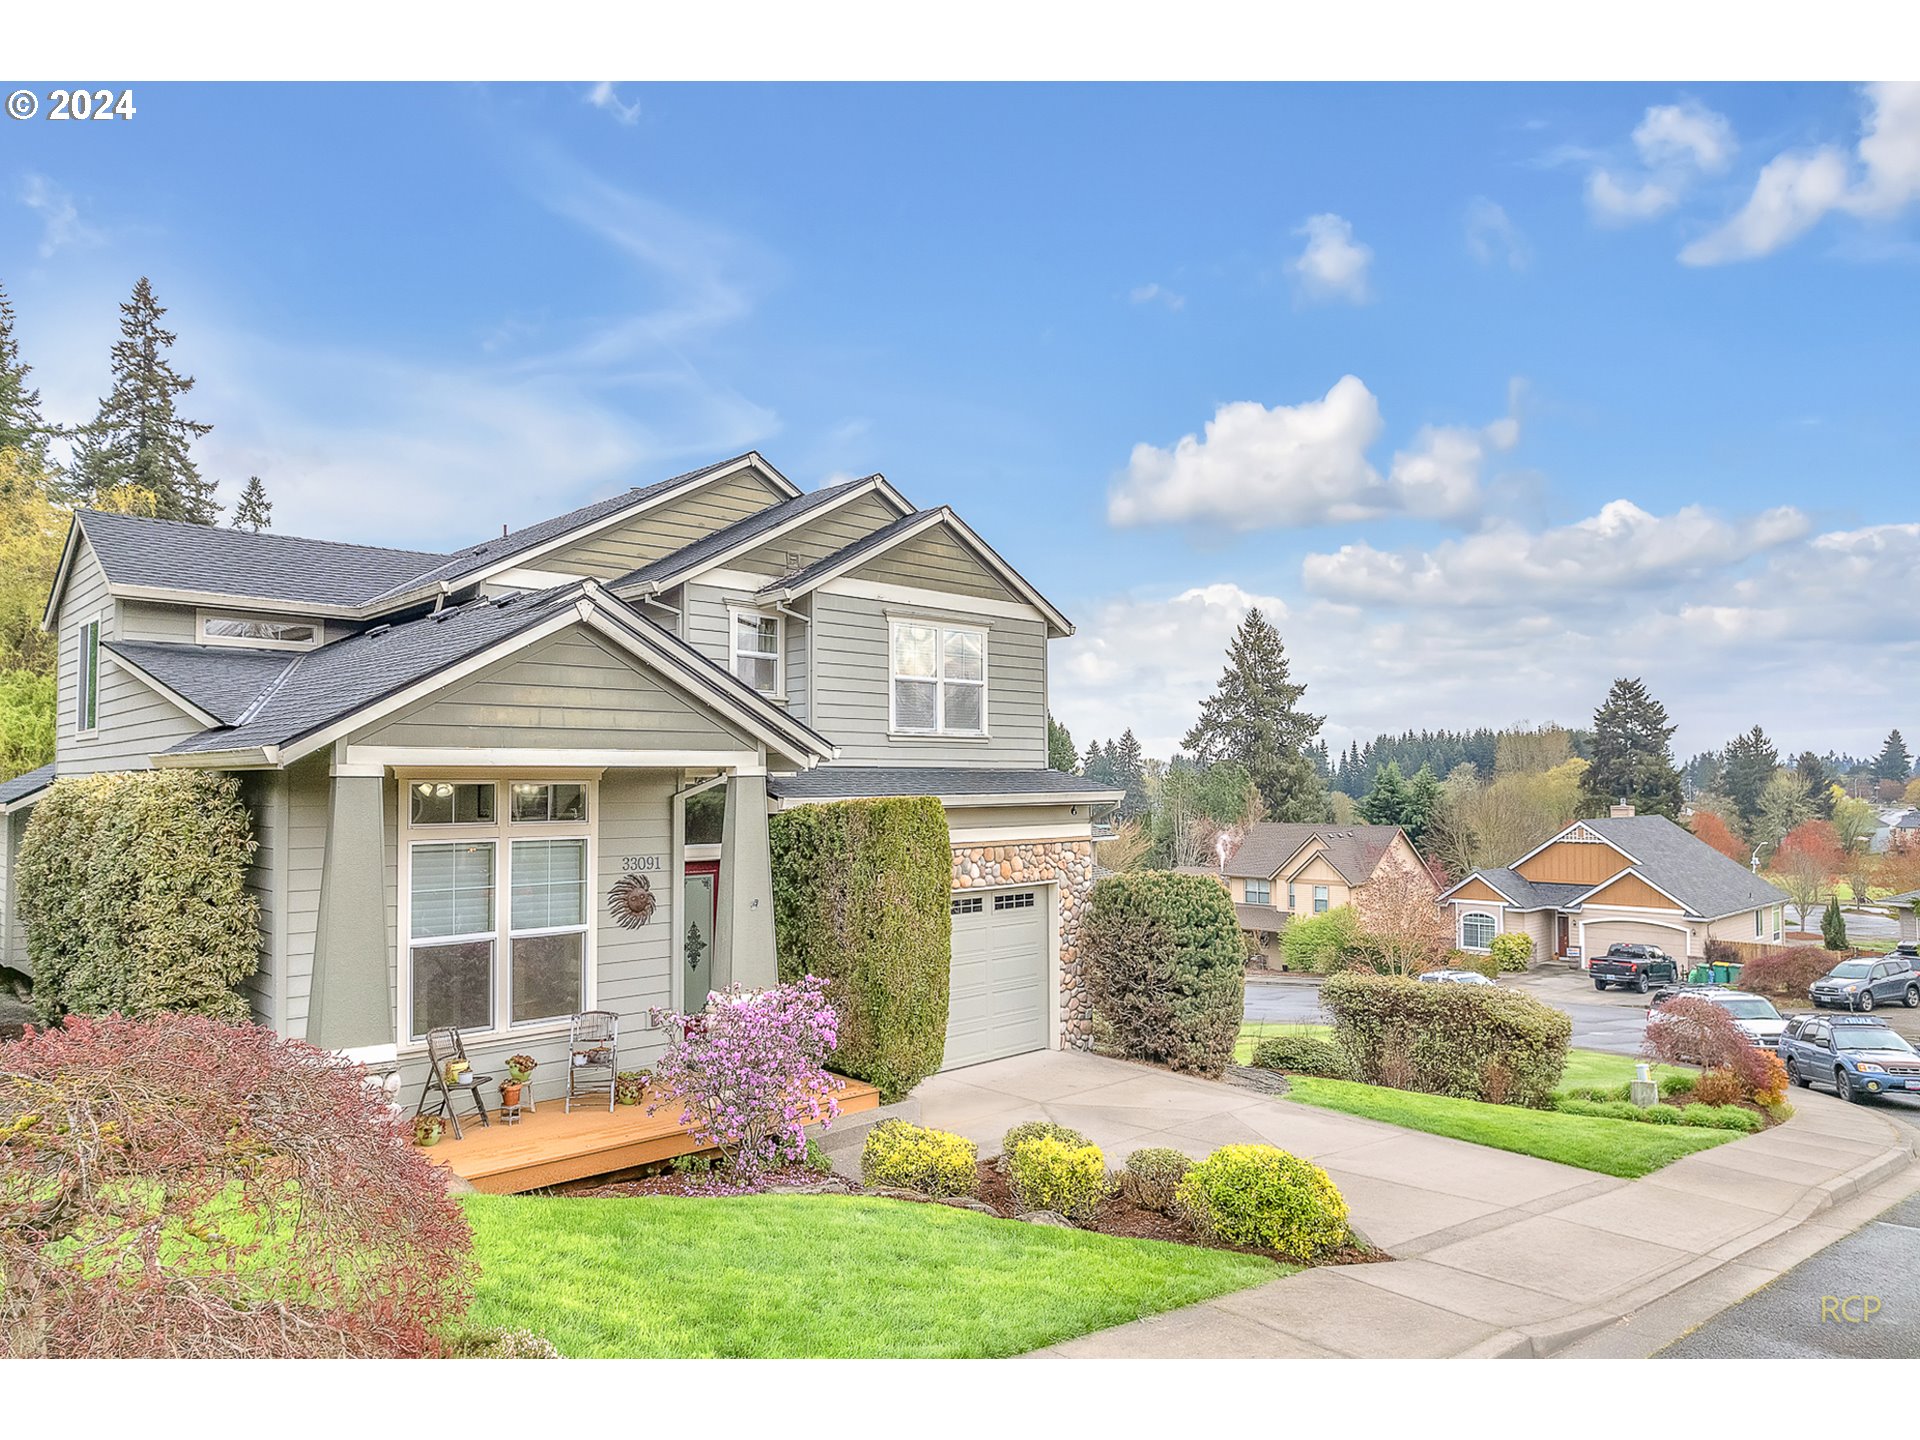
(1495, 1254)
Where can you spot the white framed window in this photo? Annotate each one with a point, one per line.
(258, 632)
(967, 905)
(498, 908)
(1477, 930)
(1259, 892)
(939, 675)
(758, 650)
(1021, 901)
(1293, 899)
(1319, 899)
(86, 691)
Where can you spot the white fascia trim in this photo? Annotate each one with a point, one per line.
(27, 801)
(872, 485)
(943, 603)
(376, 758)
(74, 533)
(232, 601)
(1632, 860)
(966, 802)
(1467, 879)
(1019, 834)
(255, 757)
(982, 551)
(165, 692)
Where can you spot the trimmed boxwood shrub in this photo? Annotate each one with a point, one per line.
(1165, 969)
(1035, 1130)
(1260, 1196)
(1303, 1055)
(1474, 1041)
(133, 887)
(860, 898)
(1151, 1177)
(1068, 1179)
(903, 1156)
(1511, 950)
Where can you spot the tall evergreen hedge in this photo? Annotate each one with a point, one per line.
(133, 889)
(1166, 968)
(860, 898)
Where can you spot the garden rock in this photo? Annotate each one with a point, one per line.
(967, 1202)
(1048, 1217)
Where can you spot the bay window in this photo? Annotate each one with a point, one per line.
(939, 679)
(497, 914)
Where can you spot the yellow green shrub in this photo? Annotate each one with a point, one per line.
(1260, 1196)
(902, 1156)
(1069, 1179)
(1034, 1130)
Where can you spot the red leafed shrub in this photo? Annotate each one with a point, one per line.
(1717, 1087)
(181, 1187)
(1690, 1031)
(1786, 971)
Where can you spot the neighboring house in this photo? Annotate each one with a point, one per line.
(1906, 909)
(1903, 835)
(1279, 871)
(1623, 879)
(494, 787)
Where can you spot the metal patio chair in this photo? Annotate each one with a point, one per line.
(593, 1050)
(444, 1044)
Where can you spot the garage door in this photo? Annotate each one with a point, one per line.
(998, 1002)
(1624, 932)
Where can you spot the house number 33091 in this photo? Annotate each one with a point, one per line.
(638, 863)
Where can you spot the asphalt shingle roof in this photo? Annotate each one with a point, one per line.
(222, 680)
(1525, 893)
(21, 786)
(741, 531)
(1686, 867)
(177, 555)
(850, 782)
(878, 540)
(1354, 850)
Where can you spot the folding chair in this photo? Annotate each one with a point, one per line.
(444, 1044)
(593, 1050)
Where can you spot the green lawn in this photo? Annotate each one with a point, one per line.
(802, 1275)
(1626, 1148)
(1603, 1069)
(1254, 1031)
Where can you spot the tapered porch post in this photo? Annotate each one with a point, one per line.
(351, 1002)
(743, 951)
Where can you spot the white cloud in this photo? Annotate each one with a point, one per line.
(1676, 144)
(1799, 188)
(1155, 293)
(1493, 238)
(1624, 204)
(1257, 468)
(1334, 265)
(59, 215)
(604, 96)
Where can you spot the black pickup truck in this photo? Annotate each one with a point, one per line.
(1637, 966)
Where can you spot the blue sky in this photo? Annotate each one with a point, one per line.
(1512, 388)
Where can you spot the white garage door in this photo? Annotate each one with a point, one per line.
(998, 1002)
(1626, 932)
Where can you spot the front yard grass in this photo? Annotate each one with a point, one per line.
(780, 1276)
(1625, 1148)
(1602, 1069)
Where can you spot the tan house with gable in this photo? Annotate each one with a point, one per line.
(1624, 879)
(1282, 870)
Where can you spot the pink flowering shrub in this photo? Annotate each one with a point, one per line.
(748, 1073)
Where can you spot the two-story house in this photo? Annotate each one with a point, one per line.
(1280, 870)
(495, 787)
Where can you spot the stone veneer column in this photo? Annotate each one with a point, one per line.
(1067, 863)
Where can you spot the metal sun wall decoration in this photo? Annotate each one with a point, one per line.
(630, 901)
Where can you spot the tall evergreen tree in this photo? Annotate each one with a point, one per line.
(139, 438)
(1893, 762)
(1425, 800)
(1817, 779)
(1632, 760)
(1750, 762)
(1385, 802)
(1098, 766)
(21, 425)
(1129, 763)
(1254, 718)
(255, 513)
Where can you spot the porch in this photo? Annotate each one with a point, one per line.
(552, 1147)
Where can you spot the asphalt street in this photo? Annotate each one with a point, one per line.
(1857, 1299)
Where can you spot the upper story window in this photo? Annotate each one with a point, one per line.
(449, 802)
(756, 650)
(939, 679)
(262, 632)
(558, 801)
(1319, 899)
(1259, 892)
(87, 686)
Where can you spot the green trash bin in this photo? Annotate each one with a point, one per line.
(1700, 975)
(1726, 974)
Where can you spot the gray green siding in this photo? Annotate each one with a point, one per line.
(704, 625)
(13, 934)
(660, 531)
(571, 690)
(853, 678)
(935, 561)
(818, 538)
(265, 794)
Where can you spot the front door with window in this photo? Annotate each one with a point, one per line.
(1566, 935)
(702, 897)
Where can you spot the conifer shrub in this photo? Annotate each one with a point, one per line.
(1067, 1179)
(899, 1155)
(1165, 969)
(1151, 1177)
(1263, 1197)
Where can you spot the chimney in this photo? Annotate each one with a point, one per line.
(1621, 812)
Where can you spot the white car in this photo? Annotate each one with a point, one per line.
(1454, 977)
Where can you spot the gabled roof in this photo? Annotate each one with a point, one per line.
(907, 527)
(215, 682)
(1519, 892)
(346, 683)
(975, 783)
(748, 533)
(22, 789)
(1354, 850)
(1634, 873)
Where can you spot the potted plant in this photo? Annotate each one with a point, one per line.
(455, 1070)
(628, 1086)
(510, 1091)
(427, 1129)
(521, 1067)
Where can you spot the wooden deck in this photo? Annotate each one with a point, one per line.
(551, 1147)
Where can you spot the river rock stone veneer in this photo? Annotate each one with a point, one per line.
(1069, 864)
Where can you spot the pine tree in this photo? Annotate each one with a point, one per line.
(1749, 764)
(21, 425)
(1833, 926)
(1253, 718)
(1632, 759)
(1817, 779)
(1098, 766)
(1894, 763)
(138, 438)
(255, 513)
(1385, 802)
(1424, 803)
(1129, 764)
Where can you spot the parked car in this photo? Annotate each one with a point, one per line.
(1859, 1057)
(1454, 977)
(1866, 982)
(1754, 1014)
(1637, 966)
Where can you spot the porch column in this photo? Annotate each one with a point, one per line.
(743, 952)
(351, 1003)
